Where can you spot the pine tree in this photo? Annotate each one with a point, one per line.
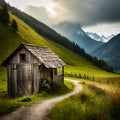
(4, 15)
(14, 25)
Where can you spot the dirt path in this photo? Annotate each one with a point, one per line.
(39, 111)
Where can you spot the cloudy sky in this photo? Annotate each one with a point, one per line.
(100, 16)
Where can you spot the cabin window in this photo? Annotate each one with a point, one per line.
(55, 71)
(22, 57)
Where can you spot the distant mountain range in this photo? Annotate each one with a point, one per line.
(107, 48)
(110, 52)
(74, 32)
(99, 38)
(40, 34)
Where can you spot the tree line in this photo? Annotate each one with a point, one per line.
(5, 18)
(46, 31)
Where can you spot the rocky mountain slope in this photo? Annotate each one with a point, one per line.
(75, 33)
(110, 52)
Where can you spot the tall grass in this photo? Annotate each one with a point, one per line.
(92, 103)
(112, 88)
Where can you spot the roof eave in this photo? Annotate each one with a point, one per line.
(5, 62)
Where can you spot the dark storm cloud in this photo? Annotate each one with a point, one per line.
(85, 12)
(89, 12)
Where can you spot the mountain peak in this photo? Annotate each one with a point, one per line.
(101, 38)
(75, 33)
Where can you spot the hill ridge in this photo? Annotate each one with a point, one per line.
(75, 33)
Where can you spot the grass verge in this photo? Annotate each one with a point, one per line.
(7, 105)
(93, 103)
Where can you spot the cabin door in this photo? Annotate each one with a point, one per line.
(24, 79)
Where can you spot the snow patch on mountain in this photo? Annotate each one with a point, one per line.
(97, 37)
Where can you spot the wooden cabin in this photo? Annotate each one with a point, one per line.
(28, 65)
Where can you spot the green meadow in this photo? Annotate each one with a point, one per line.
(10, 40)
(75, 64)
(97, 101)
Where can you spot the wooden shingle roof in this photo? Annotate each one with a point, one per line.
(43, 54)
(46, 56)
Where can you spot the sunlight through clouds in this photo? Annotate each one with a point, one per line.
(90, 14)
(21, 4)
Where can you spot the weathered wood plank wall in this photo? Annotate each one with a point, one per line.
(24, 77)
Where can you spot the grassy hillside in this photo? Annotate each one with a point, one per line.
(9, 40)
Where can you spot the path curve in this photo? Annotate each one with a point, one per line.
(40, 111)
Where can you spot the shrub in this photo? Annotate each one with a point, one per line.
(14, 25)
(84, 97)
(4, 15)
(27, 99)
